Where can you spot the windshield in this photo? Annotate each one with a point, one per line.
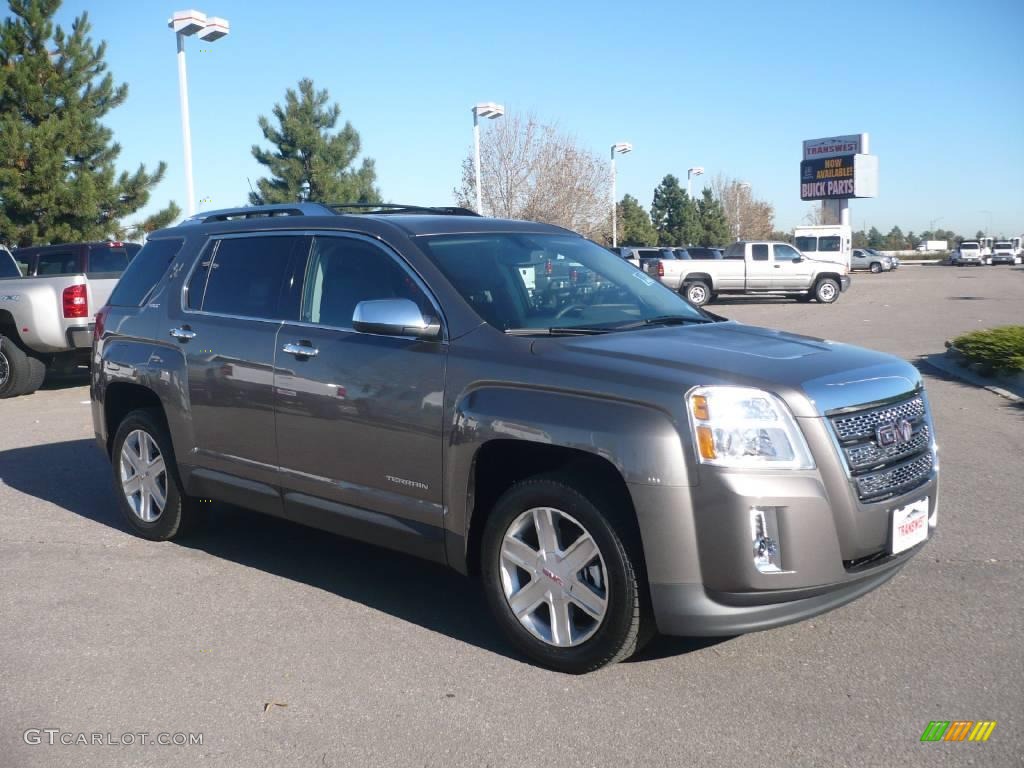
(537, 281)
(968, 246)
(806, 244)
(1003, 245)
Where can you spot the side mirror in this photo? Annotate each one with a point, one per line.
(394, 317)
(797, 259)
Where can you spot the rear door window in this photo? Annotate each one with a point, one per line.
(144, 273)
(251, 277)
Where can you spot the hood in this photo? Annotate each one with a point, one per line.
(813, 375)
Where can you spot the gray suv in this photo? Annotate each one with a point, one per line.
(607, 465)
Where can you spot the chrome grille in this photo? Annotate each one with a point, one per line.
(863, 423)
(870, 454)
(896, 479)
(881, 471)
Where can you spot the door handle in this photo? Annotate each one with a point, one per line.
(778, 266)
(300, 350)
(183, 334)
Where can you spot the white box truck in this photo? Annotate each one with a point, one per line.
(826, 242)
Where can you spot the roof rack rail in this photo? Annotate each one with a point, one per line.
(259, 212)
(441, 210)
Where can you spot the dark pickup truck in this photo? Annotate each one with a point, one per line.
(607, 465)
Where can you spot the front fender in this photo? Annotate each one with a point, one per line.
(642, 442)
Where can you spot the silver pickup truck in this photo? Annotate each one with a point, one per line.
(48, 295)
(753, 267)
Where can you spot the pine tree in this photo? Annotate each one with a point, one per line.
(635, 227)
(714, 229)
(58, 181)
(309, 162)
(674, 214)
(895, 241)
(875, 238)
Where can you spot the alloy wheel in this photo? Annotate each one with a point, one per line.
(143, 476)
(826, 292)
(554, 577)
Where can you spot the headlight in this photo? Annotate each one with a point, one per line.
(744, 427)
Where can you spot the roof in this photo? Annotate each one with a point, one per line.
(412, 220)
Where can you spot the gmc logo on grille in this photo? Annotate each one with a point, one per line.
(894, 433)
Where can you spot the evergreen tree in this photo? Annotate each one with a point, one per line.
(860, 240)
(714, 229)
(308, 161)
(895, 241)
(58, 181)
(635, 227)
(674, 215)
(875, 238)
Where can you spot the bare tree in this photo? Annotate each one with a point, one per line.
(749, 217)
(531, 171)
(815, 214)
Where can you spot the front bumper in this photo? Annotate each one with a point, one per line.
(700, 565)
(844, 283)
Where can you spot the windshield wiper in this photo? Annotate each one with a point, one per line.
(581, 330)
(664, 320)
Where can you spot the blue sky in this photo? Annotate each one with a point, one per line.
(732, 86)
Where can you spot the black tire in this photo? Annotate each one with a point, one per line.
(180, 514)
(626, 625)
(15, 369)
(875, 267)
(826, 290)
(698, 293)
(36, 374)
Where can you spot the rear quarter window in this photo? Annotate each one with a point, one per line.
(144, 272)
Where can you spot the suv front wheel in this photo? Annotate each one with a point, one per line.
(561, 581)
(149, 491)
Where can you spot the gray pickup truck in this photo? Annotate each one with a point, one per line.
(753, 267)
(608, 466)
(48, 295)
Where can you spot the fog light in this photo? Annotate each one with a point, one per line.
(764, 533)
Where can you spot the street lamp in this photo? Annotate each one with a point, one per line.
(185, 24)
(622, 148)
(491, 110)
(690, 172)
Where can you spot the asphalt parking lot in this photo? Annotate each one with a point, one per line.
(286, 647)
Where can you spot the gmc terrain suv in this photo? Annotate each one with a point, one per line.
(607, 464)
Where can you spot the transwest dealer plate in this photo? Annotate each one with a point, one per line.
(909, 525)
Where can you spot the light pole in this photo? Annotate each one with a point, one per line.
(690, 172)
(185, 24)
(491, 110)
(622, 148)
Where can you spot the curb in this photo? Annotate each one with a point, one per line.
(946, 364)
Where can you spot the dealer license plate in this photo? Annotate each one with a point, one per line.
(909, 525)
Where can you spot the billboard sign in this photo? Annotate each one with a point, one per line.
(839, 177)
(834, 146)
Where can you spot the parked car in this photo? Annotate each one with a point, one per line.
(607, 469)
(1003, 252)
(46, 315)
(701, 252)
(866, 258)
(641, 256)
(758, 267)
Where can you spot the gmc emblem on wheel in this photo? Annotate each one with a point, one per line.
(894, 433)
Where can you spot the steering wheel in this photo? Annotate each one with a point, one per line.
(566, 310)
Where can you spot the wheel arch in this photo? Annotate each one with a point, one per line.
(503, 435)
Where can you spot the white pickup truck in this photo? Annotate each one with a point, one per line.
(754, 267)
(48, 296)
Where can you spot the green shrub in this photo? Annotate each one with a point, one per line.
(996, 348)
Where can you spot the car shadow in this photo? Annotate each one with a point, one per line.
(66, 380)
(77, 478)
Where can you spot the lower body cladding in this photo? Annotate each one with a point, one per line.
(745, 552)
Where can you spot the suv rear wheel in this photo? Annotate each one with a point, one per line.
(150, 494)
(561, 581)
